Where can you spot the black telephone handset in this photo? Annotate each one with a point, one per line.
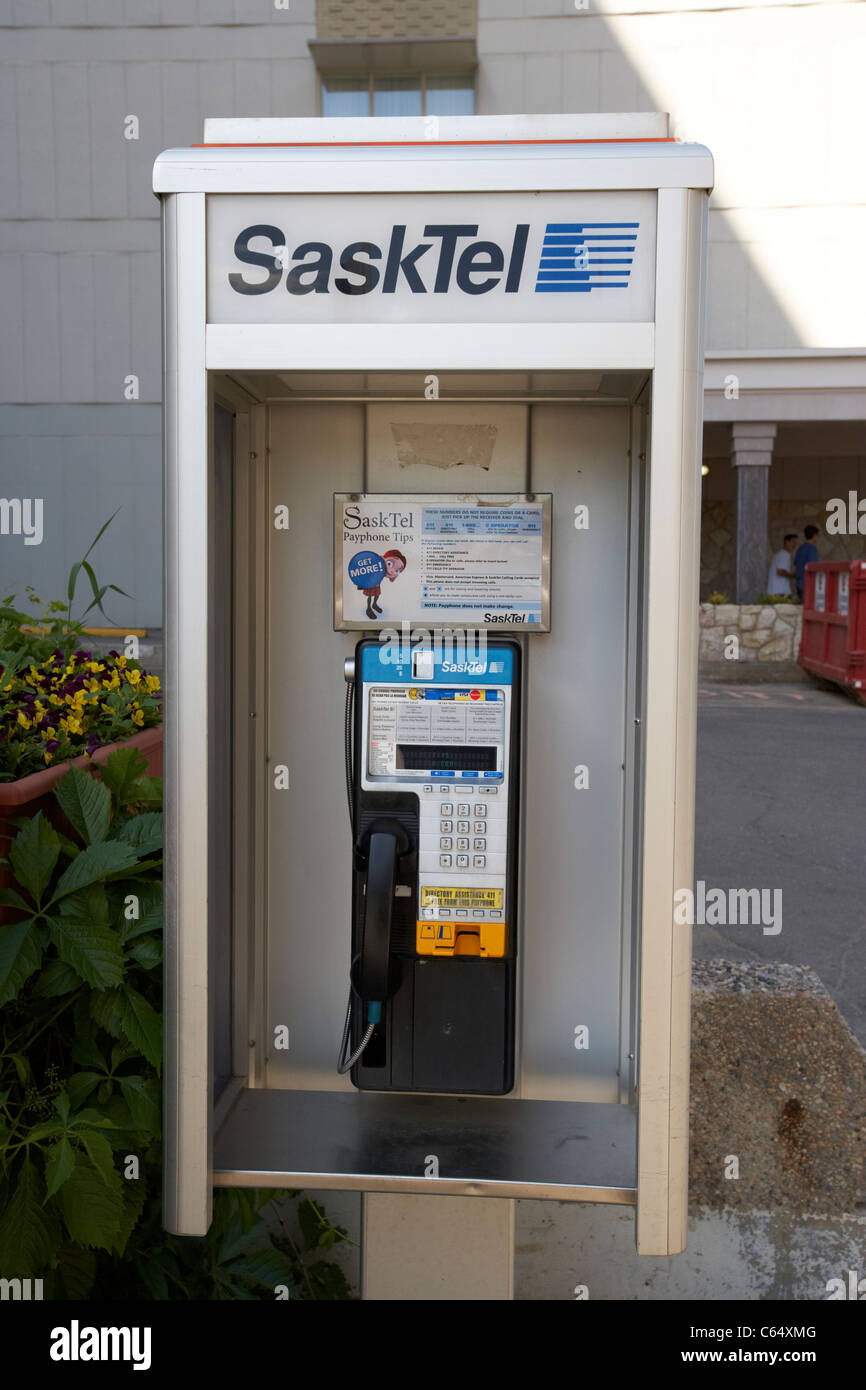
(380, 844)
(374, 976)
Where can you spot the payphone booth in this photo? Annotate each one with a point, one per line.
(433, 408)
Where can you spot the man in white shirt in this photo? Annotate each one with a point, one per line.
(781, 567)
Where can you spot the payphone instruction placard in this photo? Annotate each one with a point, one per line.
(410, 731)
(442, 560)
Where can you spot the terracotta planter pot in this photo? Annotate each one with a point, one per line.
(34, 793)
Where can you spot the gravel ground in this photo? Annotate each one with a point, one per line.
(779, 1083)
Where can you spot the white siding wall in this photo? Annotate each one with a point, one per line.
(79, 252)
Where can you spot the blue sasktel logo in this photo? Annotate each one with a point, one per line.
(576, 257)
(581, 256)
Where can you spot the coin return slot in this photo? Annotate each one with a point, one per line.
(468, 942)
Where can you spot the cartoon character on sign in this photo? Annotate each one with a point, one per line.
(368, 571)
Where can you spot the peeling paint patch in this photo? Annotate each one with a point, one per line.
(444, 446)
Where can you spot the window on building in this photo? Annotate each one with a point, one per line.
(449, 96)
(345, 96)
(398, 96)
(424, 95)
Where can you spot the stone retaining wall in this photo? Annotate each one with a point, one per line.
(766, 632)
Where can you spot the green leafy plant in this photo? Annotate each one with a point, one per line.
(81, 1032)
(243, 1256)
(80, 1051)
(775, 598)
(717, 598)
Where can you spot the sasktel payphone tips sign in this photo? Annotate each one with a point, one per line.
(442, 560)
(453, 258)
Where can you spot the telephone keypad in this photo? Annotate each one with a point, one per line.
(478, 846)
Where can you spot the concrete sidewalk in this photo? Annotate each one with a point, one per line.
(778, 1087)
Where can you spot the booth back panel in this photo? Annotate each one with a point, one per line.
(572, 843)
(570, 934)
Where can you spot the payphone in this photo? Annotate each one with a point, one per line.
(432, 771)
(434, 418)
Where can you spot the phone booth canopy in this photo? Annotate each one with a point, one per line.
(432, 480)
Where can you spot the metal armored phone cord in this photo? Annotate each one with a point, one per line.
(343, 1064)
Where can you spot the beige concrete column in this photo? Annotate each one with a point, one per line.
(426, 1249)
(751, 456)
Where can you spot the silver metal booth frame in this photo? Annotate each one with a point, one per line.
(243, 402)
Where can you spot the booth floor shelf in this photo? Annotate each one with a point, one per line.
(571, 1151)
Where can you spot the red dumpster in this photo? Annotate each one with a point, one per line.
(833, 644)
